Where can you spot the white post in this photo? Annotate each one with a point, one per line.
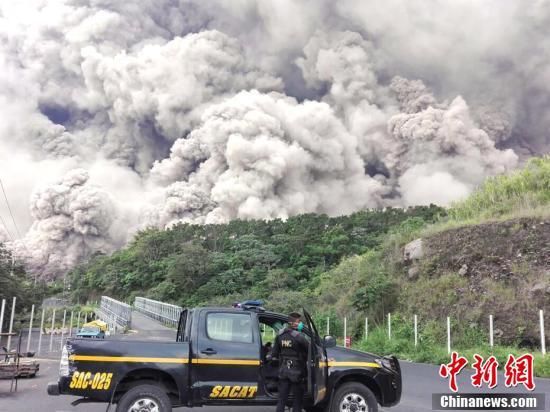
(71, 325)
(51, 331)
(542, 337)
(328, 325)
(345, 330)
(30, 329)
(366, 328)
(491, 331)
(415, 331)
(63, 328)
(448, 334)
(40, 335)
(2, 315)
(78, 322)
(389, 326)
(11, 322)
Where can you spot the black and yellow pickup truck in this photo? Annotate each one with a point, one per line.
(219, 358)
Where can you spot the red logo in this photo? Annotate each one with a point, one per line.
(519, 370)
(452, 369)
(485, 371)
(516, 371)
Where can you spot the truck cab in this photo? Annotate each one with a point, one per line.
(220, 358)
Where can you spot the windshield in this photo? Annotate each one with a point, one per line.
(89, 329)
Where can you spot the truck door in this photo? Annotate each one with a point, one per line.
(318, 366)
(226, 359)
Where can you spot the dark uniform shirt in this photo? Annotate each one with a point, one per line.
(291, 348)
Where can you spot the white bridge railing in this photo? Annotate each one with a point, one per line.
(115, 313)
(163, 312)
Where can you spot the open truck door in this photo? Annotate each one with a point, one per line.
(317, 364)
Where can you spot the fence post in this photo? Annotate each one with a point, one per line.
(51, 331)
(345, 330)
(448, 334)
(366, 328)
(30, 329)
(78, 322)
(542, 337)
(415, 331)
(491, 331)
(2, 316)
(328, 325)
(71, 325)
(40, 335)
(389, 326)
(63, 328)
(11, 322)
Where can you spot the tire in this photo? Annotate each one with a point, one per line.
(353, 393)
(150, 396)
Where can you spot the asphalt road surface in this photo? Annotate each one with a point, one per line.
(419, 382)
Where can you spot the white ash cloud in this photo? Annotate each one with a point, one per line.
(186, 110)
(441, 140)
(72, 219)
(4, 237)
(265, 156)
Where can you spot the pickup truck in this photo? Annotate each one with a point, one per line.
(219, 358)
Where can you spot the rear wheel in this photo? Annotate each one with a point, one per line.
(354, 397)
(144, 398)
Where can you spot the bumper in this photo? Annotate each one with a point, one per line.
(53, 388)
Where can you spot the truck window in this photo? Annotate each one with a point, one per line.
(231, 327)
(181, 335)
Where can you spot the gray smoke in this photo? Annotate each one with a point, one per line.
(3, 235)
(72, 219)
(119, 115)
(260, 156)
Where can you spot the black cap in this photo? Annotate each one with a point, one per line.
(294, 315)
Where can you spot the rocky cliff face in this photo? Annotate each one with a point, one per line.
(498, 268)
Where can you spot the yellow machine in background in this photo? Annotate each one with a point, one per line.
(97, 323)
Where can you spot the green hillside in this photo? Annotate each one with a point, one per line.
(281, 262)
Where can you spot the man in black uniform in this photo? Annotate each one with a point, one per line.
(291, 349)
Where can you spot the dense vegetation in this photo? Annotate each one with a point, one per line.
(15, 283)
(281, 262)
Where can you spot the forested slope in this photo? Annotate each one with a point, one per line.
(280, 261)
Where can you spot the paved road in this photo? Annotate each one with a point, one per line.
(419, 382)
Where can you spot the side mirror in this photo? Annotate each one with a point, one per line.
(329, 341)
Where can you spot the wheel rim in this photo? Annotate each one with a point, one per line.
(353, 402)
(144, 405)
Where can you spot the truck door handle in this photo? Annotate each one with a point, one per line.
(209, 351)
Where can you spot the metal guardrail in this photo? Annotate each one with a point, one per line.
(163, 312)
(114, 312)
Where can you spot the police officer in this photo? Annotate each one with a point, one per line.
(291, 349)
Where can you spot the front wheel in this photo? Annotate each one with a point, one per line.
(144, 398)
(354, 397)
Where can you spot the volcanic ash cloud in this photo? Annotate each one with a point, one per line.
(265, 155)
(72, 220)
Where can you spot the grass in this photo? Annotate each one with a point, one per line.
(522, 191)
(429, 350)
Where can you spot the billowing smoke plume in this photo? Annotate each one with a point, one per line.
(118, 115)
(264, 156)
(72, 219)
(4, 237)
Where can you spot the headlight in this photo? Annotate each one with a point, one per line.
(64, 364)
(385, 363)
